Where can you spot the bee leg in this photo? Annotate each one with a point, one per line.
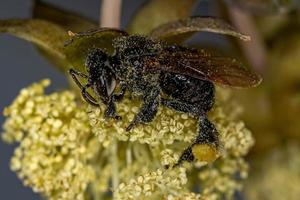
(87, 97)
(110, 111)
(111, 107)
(120, 96)
(182, 107)
(208, 133)
(73, 73)
(205, 146)
(148, 110)
(187, 155)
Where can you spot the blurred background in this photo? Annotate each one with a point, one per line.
(271, 111)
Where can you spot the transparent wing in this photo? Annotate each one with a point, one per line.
(202, 65)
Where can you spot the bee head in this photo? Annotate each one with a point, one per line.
(99, 67)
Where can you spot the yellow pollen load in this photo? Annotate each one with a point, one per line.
(205, 152)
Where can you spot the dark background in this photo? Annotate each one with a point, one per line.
(21, 65)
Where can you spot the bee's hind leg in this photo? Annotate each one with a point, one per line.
(180, 106)
(208, 133)
(205, 146)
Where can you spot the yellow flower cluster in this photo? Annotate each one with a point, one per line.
(68, 151)
(55, 142)
(162, 182)
(166, 128)
(220, 180)
(235, 137)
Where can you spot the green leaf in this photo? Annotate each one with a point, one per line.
(158, 12)
(45, 35)
(68, 20)
(180, 30)
(77, 49)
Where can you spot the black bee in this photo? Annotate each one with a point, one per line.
(160, 74)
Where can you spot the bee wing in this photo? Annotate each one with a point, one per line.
(202, 65)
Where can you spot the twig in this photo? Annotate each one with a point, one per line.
(255, 50)
(110, 13)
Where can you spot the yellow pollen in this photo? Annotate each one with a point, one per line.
(205, 152)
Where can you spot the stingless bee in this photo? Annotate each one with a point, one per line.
(159, 73)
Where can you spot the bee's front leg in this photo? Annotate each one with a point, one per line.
(120, 96)
(149, 108)
(110, 111)
(111, 107)
(89, 98)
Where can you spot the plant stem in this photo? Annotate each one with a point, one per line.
(110, 14)
(255, 50)
(115, 169)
